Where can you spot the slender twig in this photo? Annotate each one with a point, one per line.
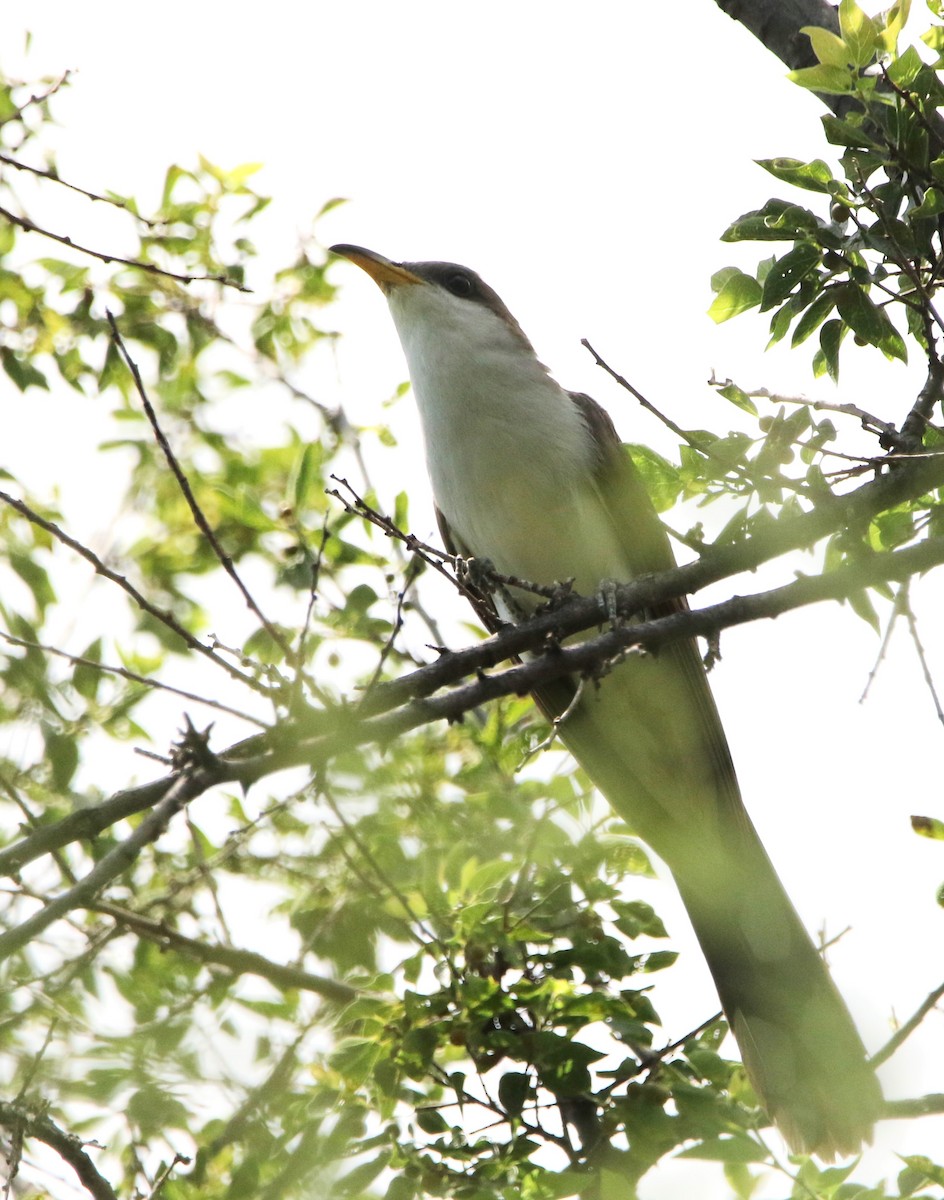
(133, 677)
(183, 483)
(922, 657)
(386, 880)
(886, 640)
(240, 962)
(166, 1172)
(38, 97)
(901, 1035)
(387, 649)
(867, 420)
(114, 201)
(66, 1145)
(29, 226)
(161, 614)
(910, 270)
(647, 404)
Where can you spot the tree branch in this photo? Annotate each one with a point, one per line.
(240, 962)
(399, 706)
(66, 1145)
(29, 226)
(777, 24)
(183, 483)
(193, 781)
(901, 1035)
(160, 614)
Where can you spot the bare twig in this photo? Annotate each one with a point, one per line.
(922, 657)
(412, 570)
(29, 226)
(647, 404)
(886, 640)
(161, 614)
(38, 98)
(184, 484)
(901, 1035)
(890, 436)
(168, 1170)
(114, 201)
(133, 677)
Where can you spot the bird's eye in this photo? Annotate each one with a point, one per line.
(459, 284)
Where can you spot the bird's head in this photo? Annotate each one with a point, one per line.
(442, 309)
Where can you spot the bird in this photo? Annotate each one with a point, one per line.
(532, 480)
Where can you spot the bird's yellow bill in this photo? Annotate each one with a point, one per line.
(383, 272)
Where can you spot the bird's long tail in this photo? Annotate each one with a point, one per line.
(650, 738)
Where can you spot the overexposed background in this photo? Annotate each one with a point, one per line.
(585, 161)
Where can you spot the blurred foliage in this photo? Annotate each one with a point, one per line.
(472, 1014)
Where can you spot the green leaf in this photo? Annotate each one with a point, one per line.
(932, 205)
(859, 32)
(830, 339)
(740, 399)
(814, 316)
(514, 1087)
(904, 70)
(62, 752)
(929, 827)
(831, 81)
(727, 1149)
(860, 313)
(814, 176)
(431, 1120)
(846, 132)
(739, 293)
(22, 371)
(827, 47)
(777, 221)
(861, 604)
(787, 272)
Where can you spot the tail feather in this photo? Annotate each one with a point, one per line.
(650, 738)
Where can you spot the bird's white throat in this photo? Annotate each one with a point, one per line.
(506, 447)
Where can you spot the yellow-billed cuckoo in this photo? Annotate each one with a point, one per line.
(534, 479)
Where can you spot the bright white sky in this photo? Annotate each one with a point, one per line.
(585, 162)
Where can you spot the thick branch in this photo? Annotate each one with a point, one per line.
(777, 24)
(66, 1145)
(395, 708)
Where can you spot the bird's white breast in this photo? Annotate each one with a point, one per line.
(510, 457)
